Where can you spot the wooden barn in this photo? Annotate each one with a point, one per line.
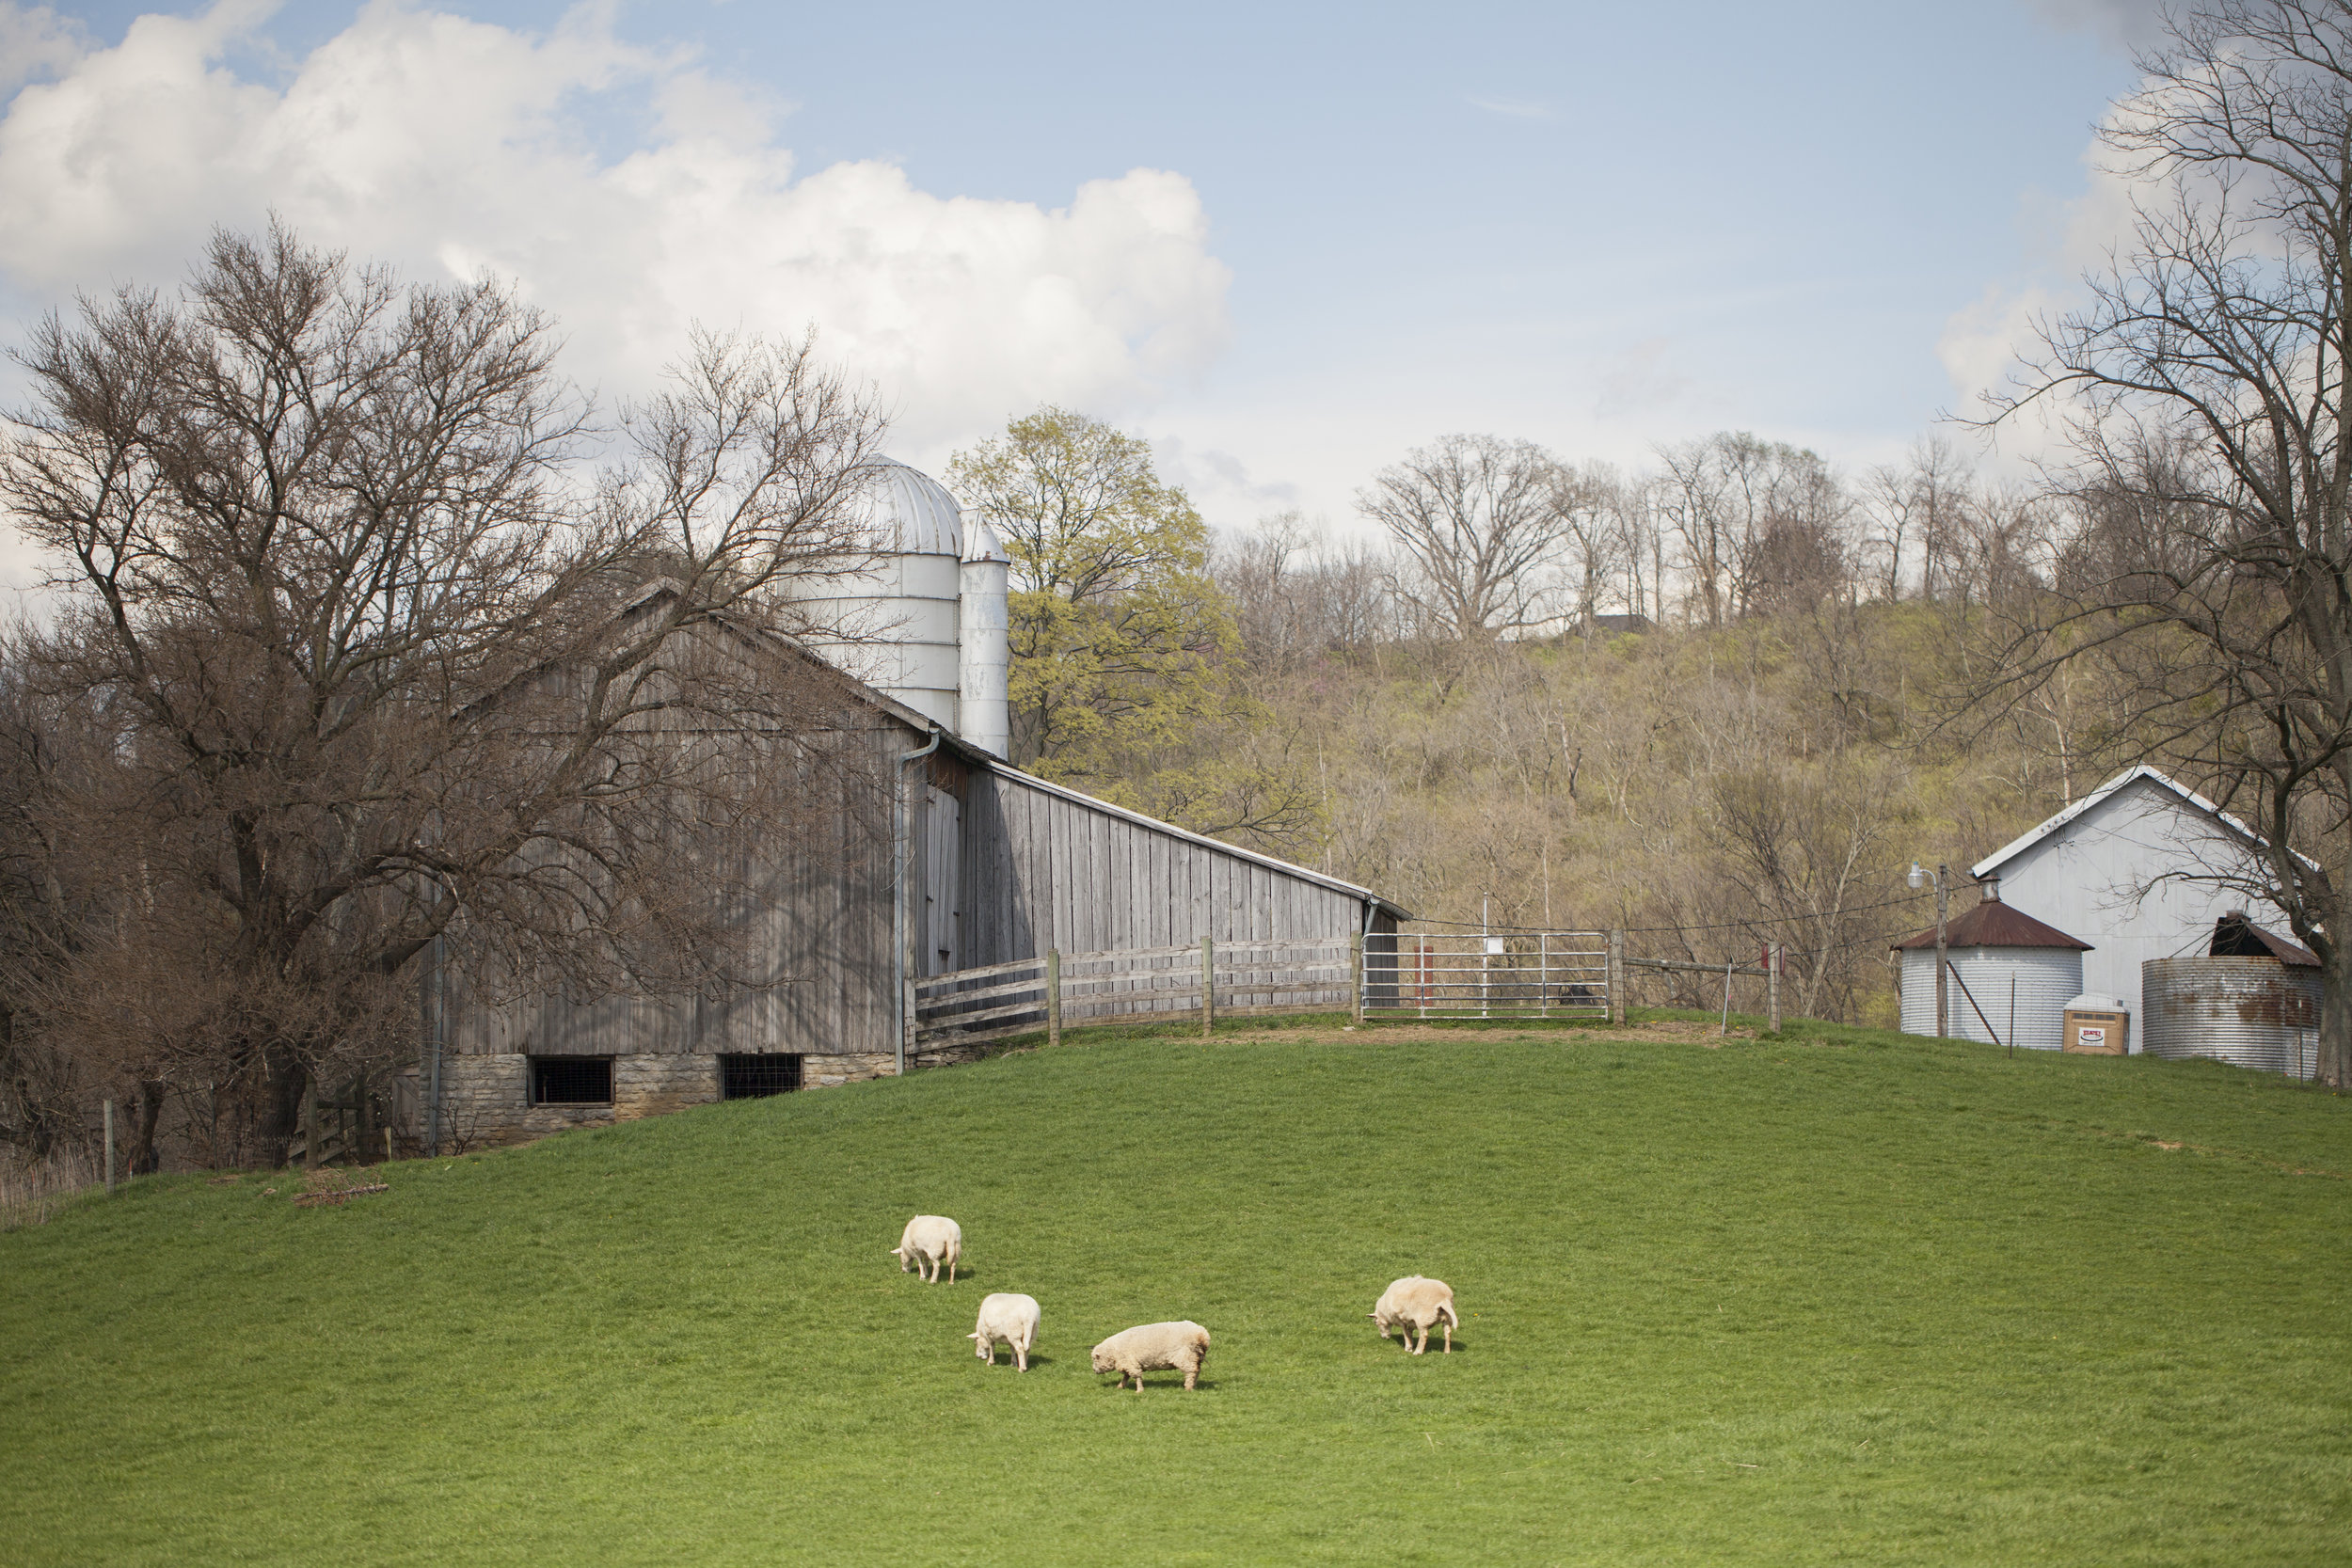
(983, 864)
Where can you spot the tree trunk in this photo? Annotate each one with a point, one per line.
(2335, 1016)
(280, 1108)
(144, 1160)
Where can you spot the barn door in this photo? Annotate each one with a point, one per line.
(943, 862)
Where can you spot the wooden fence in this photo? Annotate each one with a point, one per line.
(1524, 974)
(1212, 978)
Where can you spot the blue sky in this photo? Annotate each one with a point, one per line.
(1601, 228)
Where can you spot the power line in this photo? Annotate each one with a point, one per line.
(1653, 931)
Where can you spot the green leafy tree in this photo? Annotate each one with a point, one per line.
(1124, 647)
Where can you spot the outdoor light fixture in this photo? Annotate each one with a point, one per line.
(1918, 877)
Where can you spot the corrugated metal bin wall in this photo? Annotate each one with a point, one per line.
(2048, 979)
(2248, 1012)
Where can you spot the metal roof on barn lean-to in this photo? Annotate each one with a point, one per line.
(979, 757)
(1993, 924)
(1305, 873)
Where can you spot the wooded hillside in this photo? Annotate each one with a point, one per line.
(1719, 704)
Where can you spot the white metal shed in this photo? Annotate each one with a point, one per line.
(2012, 976)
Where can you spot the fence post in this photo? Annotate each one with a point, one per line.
(1543, 975)
(1726, 1023)
(1616, 978)
(1356, 957)
(1208, 984)
(110, 1147)
(1053, 996)
(906, 1024)
(310, 1124)
(1771, 982)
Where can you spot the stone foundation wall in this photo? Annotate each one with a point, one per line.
(485, 1101)
(851, 1066)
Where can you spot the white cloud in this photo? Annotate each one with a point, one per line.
(447, 145)
(35, 41)
(1984, 342)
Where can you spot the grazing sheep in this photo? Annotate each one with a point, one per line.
(1010, 1318)
(1154, 1348)
(1414, 1302)
(926, 1243)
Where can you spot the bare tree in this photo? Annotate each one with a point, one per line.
(1589, 504)
(376, 661)
(2205, 382)
(1804, 843)
(1296, 596)
(1919, 507)
(1692, 500)
(1476, 517)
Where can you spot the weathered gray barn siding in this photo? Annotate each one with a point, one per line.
(1001, 866)
(1046, 868)
(815, 961)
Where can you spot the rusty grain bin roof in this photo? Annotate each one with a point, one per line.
(2237, 936)
(1993, 924)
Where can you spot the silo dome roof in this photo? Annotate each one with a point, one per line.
(1993, 924)
(912, 512)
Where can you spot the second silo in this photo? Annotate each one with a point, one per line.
(2253, 1000)
(2005, 964)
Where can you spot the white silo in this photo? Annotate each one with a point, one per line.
(983, 704)
(895, 625)
(1997, 953)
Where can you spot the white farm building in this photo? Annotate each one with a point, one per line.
(2012, 976)
(2141, 868)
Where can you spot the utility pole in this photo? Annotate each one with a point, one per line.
(1942, 965)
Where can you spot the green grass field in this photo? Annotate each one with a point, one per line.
(1839, 1297)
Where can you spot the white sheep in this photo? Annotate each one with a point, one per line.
(927, 1242)
(1154, 1348)
(1414, 1302)
(1010, 1318)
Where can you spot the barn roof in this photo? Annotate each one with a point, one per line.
(997, 765)
(922, 724)
(1990, 865)
(1993, 924)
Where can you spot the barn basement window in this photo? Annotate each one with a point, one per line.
(750, 1077)
(572, 1080)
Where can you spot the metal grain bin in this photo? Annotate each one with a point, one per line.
(2248, 1012)
(2045, 979)
(1996, 951)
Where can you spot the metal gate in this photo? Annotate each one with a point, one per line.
(1524, 974)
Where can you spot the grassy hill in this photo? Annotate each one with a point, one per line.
(1836, 1297)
